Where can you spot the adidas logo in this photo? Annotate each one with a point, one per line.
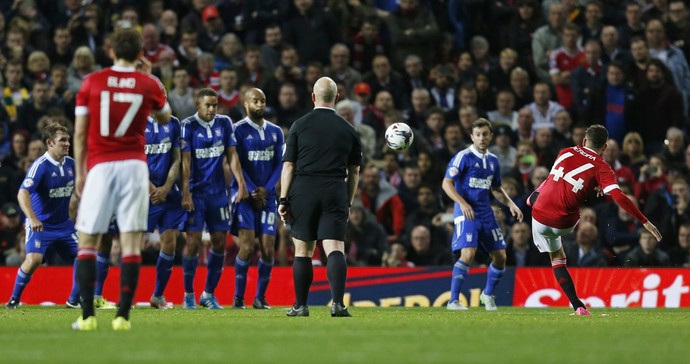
(147, 130)
(54, 174)
(476, 165)
(200, 135)
(250, 137)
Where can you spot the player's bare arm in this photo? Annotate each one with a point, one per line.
(24, 199)
(352, 182)
(502, 196)
(236, 169)
(187, 202)
(81, 127)
(286, 176)
(449, 188)
(160, 193)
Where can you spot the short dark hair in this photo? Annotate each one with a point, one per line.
(206, 92)
(480, 123)
(596, 135)
(571, 27)
(127, 44)
(51, 130)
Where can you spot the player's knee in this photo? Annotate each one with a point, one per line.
(32, 262)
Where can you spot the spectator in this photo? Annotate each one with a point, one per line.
(525, 128)
(420, 105)
(623, 173)
(675, 213)
(672, 57)
(680, 255)
(519, 85)
(587, 81)
(653, 179)
(543, 146)
(646, 254)
(153, 48)
(61, 50)
(543, 109)
(674, 148)
(407, 191)
(678, 26)
(14, 92)
(288, 109)
(367, 135)
(500, 76)
(586, 252)
(546, 39)
(684, 171)
(228, 94)
(168, 28)
(594, 12)
(312, 30)
(614, 105)
(10, 229)
(633, 27)
(453, 143)
(252, 70)
(479, 48)
(611, 50)
(20, 142)
(339, 69)
(659, 101)
(38, 68)
(423, 253)
(413, 31)
(656, 9)
(397, 257)
(562, 134)
(212, 30)
(521, 251)
(468, 114)
(640, 60)
(563, 61)
(382, 78)
(381, 199)
(486, 97)
(442, 89)
(521, 30)
(188, 51)
(37, 106)
(425, 213)
(633, 152)
(181, 97)
(365, 241)
(259, 16)
(229, 52)
(504, 113)
(383, 103)
(82, 64)
(368, 44)
(415, 77)
(433, 128)
(525, 163)
(390, 170)
(503, 148)
(272, 47)
(621, 233)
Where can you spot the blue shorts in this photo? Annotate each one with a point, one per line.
(261, 222)
(482, 233)
(167, 215)
(211, 209)
(62, 238)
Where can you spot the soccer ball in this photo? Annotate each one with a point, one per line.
(399, 136)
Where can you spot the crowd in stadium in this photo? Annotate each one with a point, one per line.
(541, 72)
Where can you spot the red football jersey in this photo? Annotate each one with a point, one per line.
(562, 61)
(118, 101)
(575, 174)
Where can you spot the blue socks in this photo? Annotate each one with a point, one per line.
(164, 268)
(102, 266)
(215, 269)
(74, 294)
(241, 268)
(492, 277)
(264, 277)
(20, 283)
(459, 273)
(189, 269)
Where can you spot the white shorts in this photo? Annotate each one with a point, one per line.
(119, 189)
(546, 238)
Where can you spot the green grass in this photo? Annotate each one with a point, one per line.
(373, 335)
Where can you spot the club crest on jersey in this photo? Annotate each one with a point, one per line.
(452, 171)
(70, 172)
(37, 244)
(491, 165)
(166, 129)
(217, 130)
(28, 182)
(275, 137)
(468, 237)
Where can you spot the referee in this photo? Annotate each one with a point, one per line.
(319, 178)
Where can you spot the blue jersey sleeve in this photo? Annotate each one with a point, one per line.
(175, 132)
(496, 182)
(229, 136)
(34, 177)
(277, 161)
(454, 169)
(186, 137)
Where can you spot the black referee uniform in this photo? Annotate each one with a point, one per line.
(322, 145)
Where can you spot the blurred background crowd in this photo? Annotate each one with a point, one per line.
(540, 71)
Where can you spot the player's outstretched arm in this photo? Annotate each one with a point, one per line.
(81, 126)
(502, 196)
(623, 201)
(449, 188)
(24, 199)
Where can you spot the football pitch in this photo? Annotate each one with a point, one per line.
(33, 334)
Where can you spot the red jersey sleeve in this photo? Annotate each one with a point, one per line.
(605, 176)
(158, 95)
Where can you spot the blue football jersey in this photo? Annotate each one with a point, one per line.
(207, 143)
(50, 184)
(260, 150)
(160, 141)
(475, 174)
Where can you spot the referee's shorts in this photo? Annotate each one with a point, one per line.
(319, 208)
